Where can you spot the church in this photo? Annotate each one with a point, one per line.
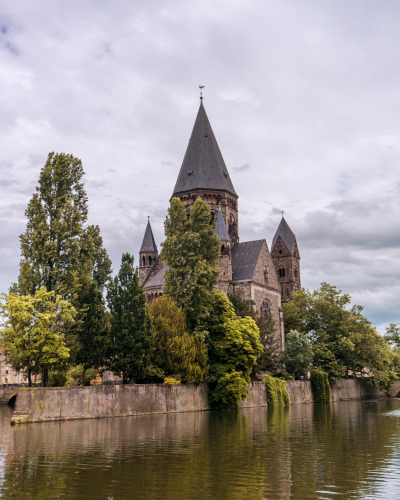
(248, 269)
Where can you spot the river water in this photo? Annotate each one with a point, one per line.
(345, 450)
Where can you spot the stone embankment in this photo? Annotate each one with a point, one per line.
(68, 403)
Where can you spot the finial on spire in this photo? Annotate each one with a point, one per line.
(148, 218)
(282, 213)
(201, 87)
(219, 206)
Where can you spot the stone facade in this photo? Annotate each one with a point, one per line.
(247, 269)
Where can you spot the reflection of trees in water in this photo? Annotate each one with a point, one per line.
(254, 453)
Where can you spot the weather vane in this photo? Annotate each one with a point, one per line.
(201, 87)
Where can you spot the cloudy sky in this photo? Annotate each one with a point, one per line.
(303, 97)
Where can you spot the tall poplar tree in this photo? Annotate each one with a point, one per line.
(131, 335)
(59, 250)
(191, 250)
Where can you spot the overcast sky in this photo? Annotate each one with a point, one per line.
(303, 97)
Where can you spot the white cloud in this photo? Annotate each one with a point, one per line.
(304, 92)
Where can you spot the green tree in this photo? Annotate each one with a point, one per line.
(93, 330)
(176, 350)
(233, 343)
(191, 250)
(271, 357)
(298, 354)
(33, 330)
(131, 335)
(393, 334)
(59, 251)
(341, 337)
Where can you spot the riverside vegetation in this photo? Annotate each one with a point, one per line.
(66, 319)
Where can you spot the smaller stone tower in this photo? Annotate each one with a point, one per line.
(148, 253)
(286, 257)
(225, 257)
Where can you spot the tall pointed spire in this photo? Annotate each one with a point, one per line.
(148, 244)
(203, 166)
(286, 234)
(220, 227)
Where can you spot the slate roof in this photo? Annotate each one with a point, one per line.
(158, 279)
(148, 244)
(286, 234)
(220, 227)
(244, 259)
(203, 166)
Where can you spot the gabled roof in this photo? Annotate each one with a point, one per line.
(244, 259)
(148, 244)
(203, 166)
(220, 227)
(286, 234)
(158, 279)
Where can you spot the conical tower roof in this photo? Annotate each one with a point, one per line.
(286, 234)
(203, 166)
(220, 227)
(148, 244)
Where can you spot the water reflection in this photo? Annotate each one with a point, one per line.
(346, 450)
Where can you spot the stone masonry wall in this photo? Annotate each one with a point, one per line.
(69, 403)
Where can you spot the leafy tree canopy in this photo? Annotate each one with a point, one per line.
(131, 334)
(271, 356)
(341, 337)
(191, 250)
(298, 354)
(58, 250)
(176, 350)
(233, 342)
(33, 330)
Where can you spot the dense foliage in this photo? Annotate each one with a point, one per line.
(341, 337)
(298, 355)
(131, 334)
(34, 329)
(191, 250)
(271, 356)
(60, 251)
(277, 394)
(229, 391)
(176, 350)
(320, 386)
(233, 346)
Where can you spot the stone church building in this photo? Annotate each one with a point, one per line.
(248, 268)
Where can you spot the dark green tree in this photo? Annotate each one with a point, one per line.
(93, 330)
(271, 356)
(191, 250)
(131, 334)
(298, 354)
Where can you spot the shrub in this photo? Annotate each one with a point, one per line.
(229, 391)
(320, 386)
(171, 380)
(277, 394)
(283, 375)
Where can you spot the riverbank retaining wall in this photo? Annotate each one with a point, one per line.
(67, 403)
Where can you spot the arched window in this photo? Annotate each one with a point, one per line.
(150, 259)
(222, 249)
(266, 276)
(296, 273)
(265, 309)
(282, 272)
(143, 260)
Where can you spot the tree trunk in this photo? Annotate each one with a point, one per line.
(45, 377)
(83, 377)
(29, 378)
